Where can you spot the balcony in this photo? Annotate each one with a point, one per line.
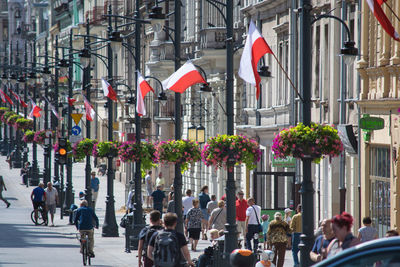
(95, 15)
(164, 113)
(215, 37)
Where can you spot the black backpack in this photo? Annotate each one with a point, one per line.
(147, 236)
(166, 250)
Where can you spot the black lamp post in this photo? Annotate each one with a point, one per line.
(54, 121)
(4, 77)
(24, 82)
(46, 74)
(17, 160)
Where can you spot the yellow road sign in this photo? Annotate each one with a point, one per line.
(76, 117)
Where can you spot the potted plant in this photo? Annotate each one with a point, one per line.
(28, 136)
(6, 115)
(184, 152)
(39, 137)
(83, 148)
(106, 149)
(229, 150)
(24, 124)
(3, 110)
(145, 151)
(314, 141)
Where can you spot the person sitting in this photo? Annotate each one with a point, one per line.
(206, 258)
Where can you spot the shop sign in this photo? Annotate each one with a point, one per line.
(371, 123)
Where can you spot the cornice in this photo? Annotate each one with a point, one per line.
(388, 103)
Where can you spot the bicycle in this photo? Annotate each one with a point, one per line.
(42, 216)
(84, 248)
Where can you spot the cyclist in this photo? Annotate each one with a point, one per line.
(84, 223)
(38, 197)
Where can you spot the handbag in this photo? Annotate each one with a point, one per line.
(123, 221)
(260, 229)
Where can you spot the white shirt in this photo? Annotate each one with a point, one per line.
(160, 181)
(129, 203)
(51, 196)
(187, 203)
(149, 185)
(251, 213)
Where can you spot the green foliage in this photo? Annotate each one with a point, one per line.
(83, 148)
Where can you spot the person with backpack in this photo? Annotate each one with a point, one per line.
(144, 238)
(168, 248)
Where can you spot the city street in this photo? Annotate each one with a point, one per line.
(24, 244)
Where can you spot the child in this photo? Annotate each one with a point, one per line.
(265, 225)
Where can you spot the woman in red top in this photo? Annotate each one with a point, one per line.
(241, 207)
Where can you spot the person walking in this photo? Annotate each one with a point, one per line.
(160, 181)
(85, 216)
(51, 201)
(149, 188)
(296, 229)
(344, 238)
(253, 225)
(288, 219)
(265, 225)
(38, 197)
(144, 238)
(169, 247)
(3, 186)
(218, 217)
(25, 173)
(318, 252)
(204, 198)
(187, 204)
(241, 208)
(367, 232)
(194, 219)
(277, 237)
(95, 185)
(212, 204)
(158, 197)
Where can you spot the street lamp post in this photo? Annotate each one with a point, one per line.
(4, 77)
(47, 152)
(54, 121)
(25, 146)
(69, 198)
(17, 154)
(110, 228)
(12, 79)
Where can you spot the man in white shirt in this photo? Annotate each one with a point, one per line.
(149, 188)
(187, 204)
(160, 181)
(51, 201)
(253, 215)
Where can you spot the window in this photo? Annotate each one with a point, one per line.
(379, 162)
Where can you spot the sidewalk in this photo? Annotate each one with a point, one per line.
(26, 244)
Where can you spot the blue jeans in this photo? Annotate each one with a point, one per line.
(252, 229)
(295, 247)
(158, 206)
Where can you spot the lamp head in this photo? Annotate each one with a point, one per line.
(63, 65)
(46, 73)
(192, 135)
(205, 88)
(162, 97)
(265, 73)
(116, 40)
(201, 134)
(349, 52)
(84, 56)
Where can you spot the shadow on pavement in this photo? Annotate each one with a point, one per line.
(18, 236)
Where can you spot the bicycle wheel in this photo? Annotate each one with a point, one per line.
(39, 219)
(84, 252)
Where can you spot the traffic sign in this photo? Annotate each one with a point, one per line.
(76, 130)
(76, 117)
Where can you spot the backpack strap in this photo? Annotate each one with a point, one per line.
(217, 215)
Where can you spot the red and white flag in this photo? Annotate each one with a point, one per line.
(5, 96)
(254, 49)
(2, 96)
(90, 113)
(376, 8)
(35, 112)
(183, 78)
(18, 98)
(53, 109)
(108, 90)
(143, 88)
(71, 101)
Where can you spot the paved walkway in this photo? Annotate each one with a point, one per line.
(23, 244)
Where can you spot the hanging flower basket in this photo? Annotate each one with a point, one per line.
(184, 152)
(24, 124)
(28, 136)
(13, 119)
(105, 149)
(6, 115)
(315, 141)
(39, 137)
(3, 110)
(229, 150)
(130, 151)
(83, 148)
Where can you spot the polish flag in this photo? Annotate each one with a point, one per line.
(4, 95)
(53, 109)
(71, 101)
(254, 49)
(183, 78)
(18, 98)
(143, 88)
(35, 112)
(90, 113)
(108, 91)
(376, 8)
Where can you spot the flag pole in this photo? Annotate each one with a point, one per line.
(287, 76)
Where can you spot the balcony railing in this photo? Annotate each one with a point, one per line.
(215, 37)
